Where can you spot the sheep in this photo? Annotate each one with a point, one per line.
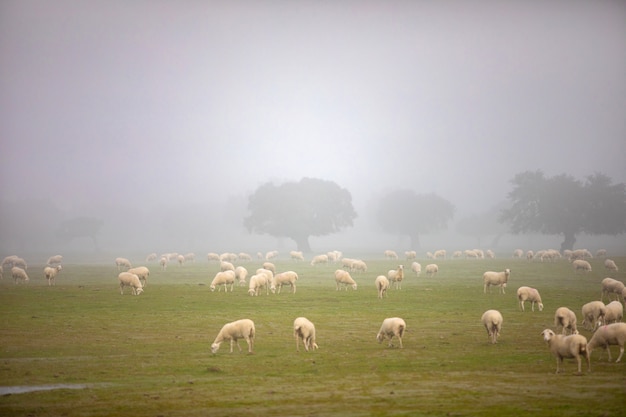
(496, 278)
(611, 286)
(151, 257)
(241, 274)
(492, 320)
(529, 294)
(343, 279)
(296, 255)
(614, 312)
(431, 270)
(581, 265)
(382, 285)
(9, 261)
(396, 276)
(518, 253)
(393, 326)
(304, 329)
(319, 259)
(490, 254)
(389, 254)
(142, 272)
(54, 260)
(411, 254)
(257, 282)
(191, 257)
(240, 329)
(181, 260)
(51, 272)
(224, 278)
(284, 278)
(611, 334)
(457, 254)
(572, 346)
(471, 254)
(417, 268)
(359, 266)
(530, 255)
(593, 314)
(566, 319)
(441, 253)
(269, 266)
(127, 279)
(19, 274)
(609, 265)
(271, 255)
(163, 263)
(212, 256)
(346, 263)
(226, 266)
(122, 262)
(243, 256)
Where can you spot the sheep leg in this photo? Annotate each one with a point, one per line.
(608, 351)
(521, 305)
(621, 352)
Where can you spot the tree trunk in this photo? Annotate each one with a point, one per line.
(569, 241)
(303, 244)
(415, 241)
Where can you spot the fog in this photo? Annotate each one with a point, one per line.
(161, 117)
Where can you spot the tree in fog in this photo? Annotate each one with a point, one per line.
(562, 205)
(406, 213)
(298, 210)
(80, 227)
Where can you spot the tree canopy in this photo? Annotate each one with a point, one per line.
(404, 212)
(298, 210)
(563, 205)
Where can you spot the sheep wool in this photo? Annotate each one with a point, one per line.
(572, 346)
(304, 330)
(240, 329)
(605, 336)
(392, 326)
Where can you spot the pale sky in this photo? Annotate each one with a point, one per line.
(174, 101)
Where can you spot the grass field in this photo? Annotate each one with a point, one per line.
(149, 355)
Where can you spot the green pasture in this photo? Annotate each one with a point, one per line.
(149, 355)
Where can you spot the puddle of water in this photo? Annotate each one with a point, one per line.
(31, 388)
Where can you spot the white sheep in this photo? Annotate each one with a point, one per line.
(581, 265)
(20, 262)
(51, 272)
(611, 334)
(572, 346)
(565, 319)
(190, 257)
(593, 314)
(151, 257)
(304, 329)
(122, 262)
(346, 263)
(396, 276)
(393, 326)
(382, 285)
(411, 254)
(359, 266)
(257, 282)
(496, 278)
(600, 253)
(529, 294)
(296, 255)
(440, 254)
(163, 262)
(240, 329)
(319, 259)
(389, 254)
(490, 254)
(269, 266)
(611, 286)
(54, 260)
(614, 312)
(244, 256)
(226, 266)
(181, 260)
(343, 279)
(142, 272)
(284, 278)
(518, 253)
(417, 268)
(212, 256)
(19, 274)
(271, 255)
(609, 264)
(431, 270)
(241, 273)
(224, 278)
(492, 320)
(127, 279)
(8, 261)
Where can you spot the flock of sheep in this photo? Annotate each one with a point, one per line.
(605, 320)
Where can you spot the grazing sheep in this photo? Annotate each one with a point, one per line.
(343, 279)
(518, 253)
(359, 266)
(226, 266)
(382, 285)
(614, 312)
(142, 272)
(20, 262)
(457, 254)
(600, 253)
(163, 263)
(529, 294)
(257, 282)
(530, 255)
(346, 263)
(611, 286)
(127, 279)
(181, 260)
(431, 270)
(284, 278)
(319, 259)
(304, 329)
(228, 257)
(581, 265)
(224, 278)
(240, 329)
(396, 276)
(271, 255)
(492, 320)
(54, 260)
(51, 273)
(151, 257)
(496, 278)
(269, 266)
(122, 262)
(212, 256)
(393, 326)
(593, 314)
(609, 265)
(296, 255)
(241, 274)
(471, 254)
(490, 254)
(566, 319)
(417, 268)
(441, 253)
(19, 274)
(611, 334)
(411, 254)
(9, 261)
(572, 346)
(190, 257)
(389, 254)
(243, 256)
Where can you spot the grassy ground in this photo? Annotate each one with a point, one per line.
(149, 355)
